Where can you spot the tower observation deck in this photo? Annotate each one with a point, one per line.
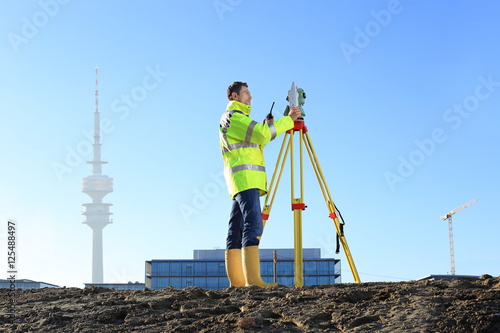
(97, 186)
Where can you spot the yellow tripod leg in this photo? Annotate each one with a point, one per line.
(297, 245)
(343, 241)
(275, 179)
(298, 206)
(330, 205)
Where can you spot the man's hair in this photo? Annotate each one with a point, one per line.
(235, 87)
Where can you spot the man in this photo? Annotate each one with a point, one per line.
(242, 141)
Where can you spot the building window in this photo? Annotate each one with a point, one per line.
(222, 268)
(189, 269)
(203, 268)
(175, 268)
(212, 268)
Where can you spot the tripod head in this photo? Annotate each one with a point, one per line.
(296, 97)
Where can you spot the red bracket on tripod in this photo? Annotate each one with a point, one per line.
(265, 217)
(297, 126)
(333, 215)
(299, 206)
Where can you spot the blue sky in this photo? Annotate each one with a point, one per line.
(402, 108)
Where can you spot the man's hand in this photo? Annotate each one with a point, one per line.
(268, 120)
(295, 112)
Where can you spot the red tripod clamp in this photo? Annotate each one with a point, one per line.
(299, 206)
(297, 126)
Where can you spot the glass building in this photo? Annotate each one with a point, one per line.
(207, 269)
(26, 284)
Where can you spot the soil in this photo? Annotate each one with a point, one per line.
(456, 305)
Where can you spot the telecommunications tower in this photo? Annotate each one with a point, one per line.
(97, 186)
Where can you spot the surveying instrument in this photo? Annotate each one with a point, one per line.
(296, 97)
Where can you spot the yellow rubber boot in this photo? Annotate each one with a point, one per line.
(234, 268)
(251, 267)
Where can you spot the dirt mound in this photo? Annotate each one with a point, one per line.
(458, 305)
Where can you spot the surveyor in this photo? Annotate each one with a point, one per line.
(242, 142)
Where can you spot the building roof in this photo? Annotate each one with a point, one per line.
(21, 282)
(434, 277)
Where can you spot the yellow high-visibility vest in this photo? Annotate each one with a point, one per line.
(242, 141)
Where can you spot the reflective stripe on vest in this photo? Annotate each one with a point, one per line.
(224, 138)
(237, 145)
(251, 167)
(251, 126)
(273, 131)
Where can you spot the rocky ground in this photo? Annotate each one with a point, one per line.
(458, 305)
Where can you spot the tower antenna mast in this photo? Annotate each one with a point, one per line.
(97, 186)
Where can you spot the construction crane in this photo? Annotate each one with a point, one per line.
(450, 233)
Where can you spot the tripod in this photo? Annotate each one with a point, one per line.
(298, 204)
